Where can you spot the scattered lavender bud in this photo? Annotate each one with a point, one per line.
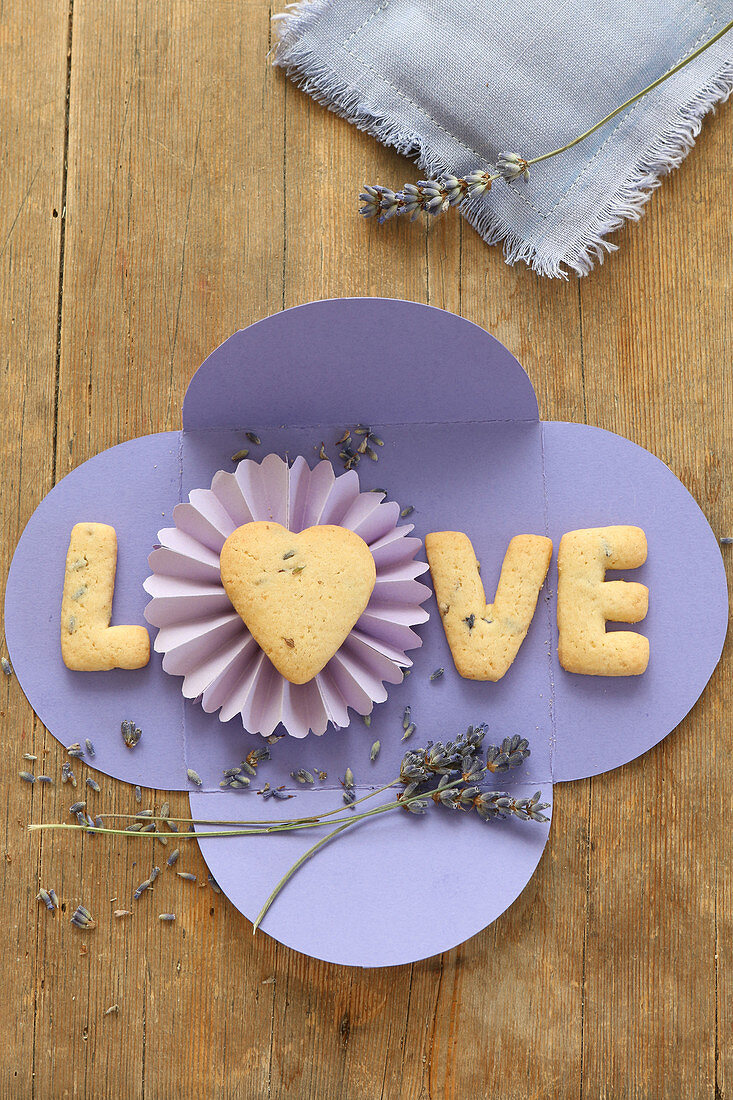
(131, 734)
(439, 672)
(167, 916)
(92, 783)
(44, 779)
(82, 918)
(45, 897)
(27, 777)
(122, 913)
(194, 777)
(407, 511)
(374, 753)
(303, 776)
(112, 1010)
(138, 794)
(253, 438)
(29, 756)
(89, 746)
(239, 455)
(186, 875)
(6, 666)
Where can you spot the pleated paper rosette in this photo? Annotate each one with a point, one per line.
(205, 641)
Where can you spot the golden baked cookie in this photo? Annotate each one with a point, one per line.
(485, 638)
(298, 594)
(586, 600)
(88, 642)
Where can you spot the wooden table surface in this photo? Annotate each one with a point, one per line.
(162, 186)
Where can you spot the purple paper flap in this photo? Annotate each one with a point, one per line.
(595, 478)
(346, 360)
(133, 487)
(355, 901)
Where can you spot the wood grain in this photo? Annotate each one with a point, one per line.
(203, 192)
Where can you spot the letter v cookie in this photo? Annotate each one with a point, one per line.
(485, 638)
(88, 642)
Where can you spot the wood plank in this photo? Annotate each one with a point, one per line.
(656, 335)
(172, 196)
(32, 123)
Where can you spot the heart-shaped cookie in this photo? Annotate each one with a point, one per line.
(299, 595)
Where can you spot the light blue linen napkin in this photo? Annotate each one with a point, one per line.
(453, 83)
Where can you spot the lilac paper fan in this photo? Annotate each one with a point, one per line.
(204, 640)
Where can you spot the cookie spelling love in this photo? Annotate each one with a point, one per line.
(301, 594)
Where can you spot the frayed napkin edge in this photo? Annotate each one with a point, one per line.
(309, 73)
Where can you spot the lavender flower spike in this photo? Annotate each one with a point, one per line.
(478, 182)
(371, 197)
(435, 199)
(453, 188)
(511, 166)
(412, 200)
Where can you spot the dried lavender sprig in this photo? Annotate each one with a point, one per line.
(432, 196)
(418, 765)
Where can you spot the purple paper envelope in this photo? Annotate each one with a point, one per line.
(464, 446)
